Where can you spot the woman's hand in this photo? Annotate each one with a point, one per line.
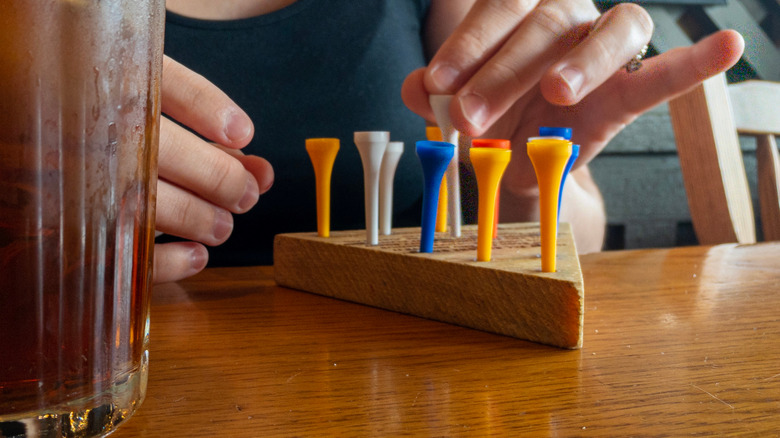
(201, 184)
(515, 66)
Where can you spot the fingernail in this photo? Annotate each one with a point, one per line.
(199, 257)
(268, 185)
(237, 127)
(475, 109)
(223, 224)
(251, 194)
(573, 79)
(444, 77)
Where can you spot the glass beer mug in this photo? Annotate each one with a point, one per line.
(79, 121)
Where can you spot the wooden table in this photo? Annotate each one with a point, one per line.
(678, 342)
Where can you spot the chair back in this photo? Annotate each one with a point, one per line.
(707, 121)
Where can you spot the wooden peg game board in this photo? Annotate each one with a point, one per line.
(508, 295)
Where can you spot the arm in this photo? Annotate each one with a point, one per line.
(514, 66)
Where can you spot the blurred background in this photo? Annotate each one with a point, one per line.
(639, 172)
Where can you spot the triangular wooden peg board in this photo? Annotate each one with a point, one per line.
(508, 295)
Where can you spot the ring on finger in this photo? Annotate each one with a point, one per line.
(636, 62)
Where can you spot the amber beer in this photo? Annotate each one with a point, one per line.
(79, 120)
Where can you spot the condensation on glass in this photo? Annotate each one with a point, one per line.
(79, 121)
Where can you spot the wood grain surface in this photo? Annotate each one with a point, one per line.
(677, 342)
(507, 295)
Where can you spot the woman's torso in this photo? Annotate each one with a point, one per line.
(316, 68)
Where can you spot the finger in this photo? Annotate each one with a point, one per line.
(548, 32)
(179, 260)
(189, 162)
(627, 95)
(676, 71)
(474, 41)
(415, 96)
(182, 214)
(197, 103)
(259, 167)
(619, 35)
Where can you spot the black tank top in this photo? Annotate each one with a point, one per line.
(317, 68)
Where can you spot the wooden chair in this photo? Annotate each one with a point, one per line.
(706, 122)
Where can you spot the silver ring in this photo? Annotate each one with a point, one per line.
(636, 62)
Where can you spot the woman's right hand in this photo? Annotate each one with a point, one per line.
(201, 184)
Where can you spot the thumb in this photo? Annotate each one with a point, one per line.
(415, 96)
